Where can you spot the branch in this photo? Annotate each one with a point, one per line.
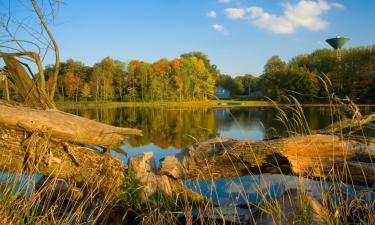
(57, 57)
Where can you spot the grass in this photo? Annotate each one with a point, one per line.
(19, 206)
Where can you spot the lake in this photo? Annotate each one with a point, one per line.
(167, 130)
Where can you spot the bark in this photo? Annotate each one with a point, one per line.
(317, 156)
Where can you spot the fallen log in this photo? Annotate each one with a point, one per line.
(64, 126)
(353, 123)
(317, 156)
(22, 152)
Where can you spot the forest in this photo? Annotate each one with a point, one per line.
(192, 77)
(350, 72)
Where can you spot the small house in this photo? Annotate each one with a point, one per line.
(221, 92)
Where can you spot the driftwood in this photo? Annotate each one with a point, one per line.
(354, 123)
(63, 126)
(23, 152)
(320, 156)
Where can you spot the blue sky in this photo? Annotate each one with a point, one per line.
(238, 35)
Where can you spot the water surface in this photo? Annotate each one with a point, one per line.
(168, 130)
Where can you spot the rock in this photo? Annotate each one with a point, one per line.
(144, 167)
(293, 207)
(171, 166)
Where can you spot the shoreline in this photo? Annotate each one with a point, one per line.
(191, 104)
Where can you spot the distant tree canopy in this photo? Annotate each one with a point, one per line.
(351, 74)
(193, 77)
(190, 77)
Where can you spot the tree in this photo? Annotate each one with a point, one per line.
(72, 85)
(235, 86)
(275, 65)
(86, 91)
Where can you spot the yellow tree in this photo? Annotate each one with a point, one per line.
(160, 81)
(177, 77)
(86, 90)
(71, 83)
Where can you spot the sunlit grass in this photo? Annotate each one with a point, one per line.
(20, 203)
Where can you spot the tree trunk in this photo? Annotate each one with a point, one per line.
(34, 96)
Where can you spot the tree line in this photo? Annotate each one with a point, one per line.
(192, 77)
(189, 77)
(312, 77)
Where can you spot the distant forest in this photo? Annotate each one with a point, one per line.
(192, 77)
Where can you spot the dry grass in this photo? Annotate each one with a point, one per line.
(337, 202)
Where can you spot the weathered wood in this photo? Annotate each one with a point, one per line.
(353, 124)
(225, 158)
(34, 95)
(64, 126)
(22, 152)
(321, 156)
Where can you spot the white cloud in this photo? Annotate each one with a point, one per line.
(307, 14)
(235, 13)
(224, 1)
(304, 14)
(337, 5)
(212, 14)
(277, 24)
(218, 27)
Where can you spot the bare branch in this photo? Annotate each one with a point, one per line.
(56, 48)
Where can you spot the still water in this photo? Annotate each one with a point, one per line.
(168, 130)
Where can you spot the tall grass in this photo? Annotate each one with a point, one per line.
(335, 201)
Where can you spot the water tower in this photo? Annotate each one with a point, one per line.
(337, 43)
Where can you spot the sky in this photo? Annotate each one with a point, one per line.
(237, 35)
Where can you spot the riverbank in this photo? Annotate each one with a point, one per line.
(189, 104)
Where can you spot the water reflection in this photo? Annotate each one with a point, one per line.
(241, 190)
(178, 128)
(166, 130)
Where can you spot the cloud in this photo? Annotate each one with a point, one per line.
(337, 5)
(304, 14)
(212, 14)
(218, 27)
(224, 1)
(235, 13)
(277, 24)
